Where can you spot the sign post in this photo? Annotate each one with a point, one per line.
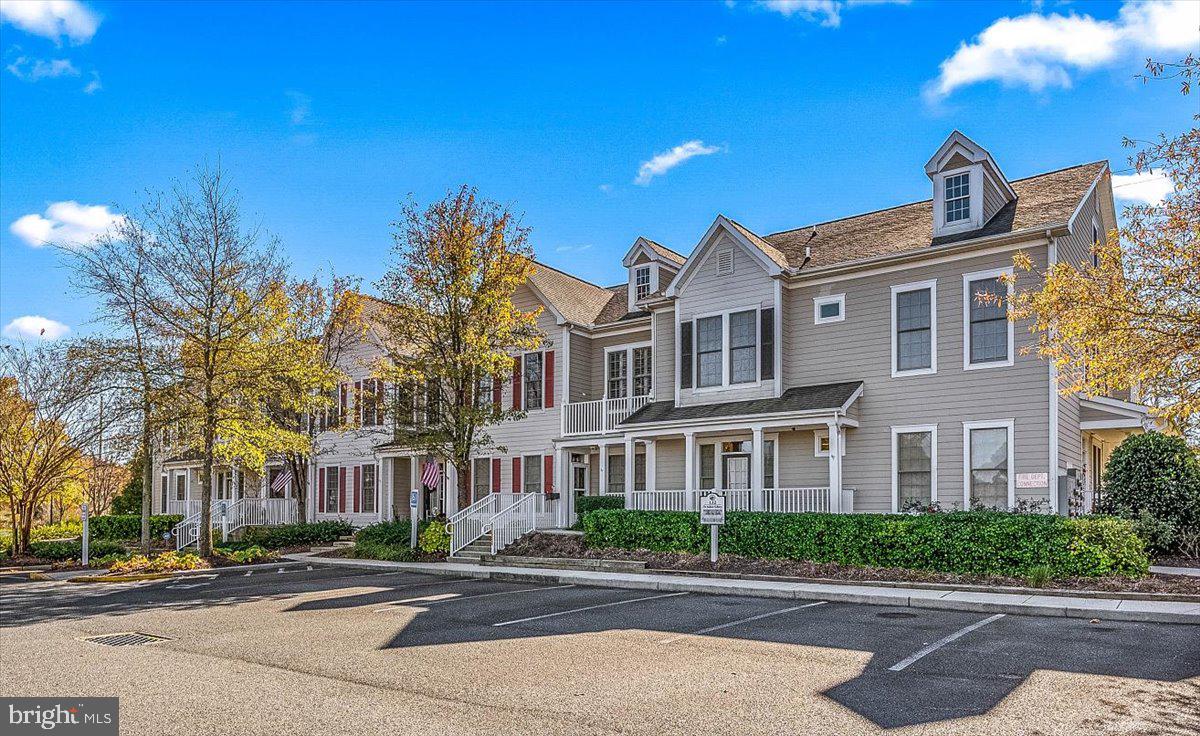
(712, 514)
(83, 518)
(414, 498)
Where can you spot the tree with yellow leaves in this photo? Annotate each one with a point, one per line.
(1130, 319)
(451, 324)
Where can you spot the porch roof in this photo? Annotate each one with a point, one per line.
(824, 397)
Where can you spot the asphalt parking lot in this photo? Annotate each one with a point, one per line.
(295, 649)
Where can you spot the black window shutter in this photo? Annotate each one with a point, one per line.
(766, 346)
(685, 355)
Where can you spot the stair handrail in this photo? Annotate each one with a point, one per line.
(470, 523)
(515, 521)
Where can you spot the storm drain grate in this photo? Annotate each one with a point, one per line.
(126, 639)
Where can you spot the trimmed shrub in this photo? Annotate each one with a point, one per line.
(397, 532)
(965, 542)
(129, 526)
(389, 552)
(1155, 479)
(61, 530)
(245, 556)
(584, 504)
(432, 537)
(73, 549)
(165, 562)
(294, 535)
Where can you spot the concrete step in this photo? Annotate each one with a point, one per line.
(342, 543)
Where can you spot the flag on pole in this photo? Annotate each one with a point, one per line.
(281, 481)
(430, 475)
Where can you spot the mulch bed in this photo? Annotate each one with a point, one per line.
(559, 545)
(1177, 561)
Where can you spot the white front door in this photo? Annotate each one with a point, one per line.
(737, 472)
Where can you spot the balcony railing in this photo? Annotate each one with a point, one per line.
(600, 416)
(779, 500)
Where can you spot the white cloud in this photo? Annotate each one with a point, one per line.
(32, 70)
(606, 188)
(301, 109)
(1040, 51)
(1144, 188)
(826, 12)
(33, 326)
(93, 86)
(52, 19)
(68, 223)
(667, 160)
(573, 248)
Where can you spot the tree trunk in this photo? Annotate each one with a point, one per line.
(204, 542)
(465, 469)
(148, 487)
(300, 486)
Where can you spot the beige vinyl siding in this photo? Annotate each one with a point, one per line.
(668, 465)
(748, 287)
(582, 366)
(664, 355)
(993, 198)
(798, 466)
(595, 388)
(859, 348)
(789, 310)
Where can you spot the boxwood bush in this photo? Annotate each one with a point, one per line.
(1154, 479)
(967, 542)
(129, 526)
(73, 549)
(294, 535)
(584, 504)
(389, 540)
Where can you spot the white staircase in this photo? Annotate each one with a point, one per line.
(229, 516)
(496, 521)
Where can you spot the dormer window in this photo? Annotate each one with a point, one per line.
(641, 278)
(958, 197)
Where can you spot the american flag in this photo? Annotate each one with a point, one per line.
(430, 475)
(281, 482)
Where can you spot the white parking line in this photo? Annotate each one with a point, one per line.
(760, 616)
(433, 601)
(944, 641)
(587, 608)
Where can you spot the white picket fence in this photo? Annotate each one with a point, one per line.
(778, 500)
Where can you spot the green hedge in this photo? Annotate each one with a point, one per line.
(73, 550)
(129, 526)
(389, 540)
(968, 542)
(584, 504)
(294, 535)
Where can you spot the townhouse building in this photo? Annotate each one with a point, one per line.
(864, 364)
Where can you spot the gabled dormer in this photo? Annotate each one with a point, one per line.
(968, 187)
(651, 267)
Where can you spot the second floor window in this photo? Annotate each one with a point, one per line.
(641, 278)
(708, 352)
(618, 374)
(914, 329)
(643, 371)
(532, 380)
(743, 356)
(958, 197)
(483, 392)
(987, 321)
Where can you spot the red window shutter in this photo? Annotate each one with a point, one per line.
(357, 488)
(321, 490)
(341, 490)
(516, 382)
(516, 479)
(548, 383)
(495, 475)
(496, 386)
(548, 473)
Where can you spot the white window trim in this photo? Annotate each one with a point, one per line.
(818, 435)
(628, 350)
(632, 298)
(820, 301)
(931, 284)
(975, 182)
(933, 463)
(541, 471)
(725, 384)
(474, 479)
(966, 323)
(524, 393)
(1012, 474)
(362, 488)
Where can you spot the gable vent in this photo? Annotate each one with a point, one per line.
(725, 262)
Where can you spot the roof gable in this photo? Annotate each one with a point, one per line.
(771, 259)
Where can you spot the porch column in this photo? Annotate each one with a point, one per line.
(835, 467)
(262, 481)
(651, 463)
(689, 470)
(756, 470)
(387, 468)
(603, 489)
(629, 449)
(562, 484)
(451, 489)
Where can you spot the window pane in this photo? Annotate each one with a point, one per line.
(768, 463)
(533, 380)
(958, 198)
(708, 333)
(617, 375)
(708, 466)
(532, 477)
(912, 309)
(913, 350)
(741, 329)
(639, 472)
(643, 371)
(914, 466)
(830, 309)
(481, 478)
(616, 473)
(989, 467)
(743, 366)
(709, 369)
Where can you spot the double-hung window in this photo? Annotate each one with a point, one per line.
(743, 352)
(618, 374)
(708, 351)
(483, 392)
(616, 473)
(643, 371)
(181, 486)
(481, 477)
(532, 477)
(987, 461)
(532, 380)
(987, 332)
(914, 329)
(332, 489)
(368, 489)
(914, 465)
(957, 197)
(641, 280)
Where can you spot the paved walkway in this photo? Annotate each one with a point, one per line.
(1014, 603)
(1189, 571)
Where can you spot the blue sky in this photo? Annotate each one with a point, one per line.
(328, 115)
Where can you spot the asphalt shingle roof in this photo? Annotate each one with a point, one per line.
(801, 398)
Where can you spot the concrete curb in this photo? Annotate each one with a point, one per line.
(1016, 604)
(67, 575)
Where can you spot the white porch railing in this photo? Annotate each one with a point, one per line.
(183, 508)
(531, 512)
(779, 500)
(600, 416)
(229, 516)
